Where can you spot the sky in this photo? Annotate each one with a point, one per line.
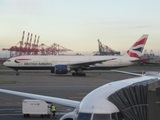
(78, 24)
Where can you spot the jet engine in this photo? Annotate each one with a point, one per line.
(61, 69)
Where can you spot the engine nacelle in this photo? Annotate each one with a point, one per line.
(61, 69)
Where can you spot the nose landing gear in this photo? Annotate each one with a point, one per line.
(17, 73)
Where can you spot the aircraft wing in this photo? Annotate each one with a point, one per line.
(130, 73)
(89, 62)
(66, 102)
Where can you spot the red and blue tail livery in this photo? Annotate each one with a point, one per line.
(137, 48)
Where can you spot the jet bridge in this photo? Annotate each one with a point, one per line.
(139, 101)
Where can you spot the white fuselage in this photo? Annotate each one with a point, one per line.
(50, 61)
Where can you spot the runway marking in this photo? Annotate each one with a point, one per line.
(57, 113)
(83, 93)
(92, 84)
(11, 101)
(18, 111)
(10, 109)
(53, 86)
(9, 114)
(74, 96)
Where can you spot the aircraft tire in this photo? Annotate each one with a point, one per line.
(24, 115)
(73, 74)
(42, 116)
(17, 74)
(48, 115)
(84, 74)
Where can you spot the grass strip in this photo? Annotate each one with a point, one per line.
(7, 82)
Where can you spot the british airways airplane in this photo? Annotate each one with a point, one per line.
(65, 64)
(121, 100)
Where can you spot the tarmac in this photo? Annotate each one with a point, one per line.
(61, 86)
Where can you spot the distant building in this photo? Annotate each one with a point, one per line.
(152, 58)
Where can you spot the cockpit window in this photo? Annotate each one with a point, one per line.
(8, 60)
(84, 116)
(101, 117)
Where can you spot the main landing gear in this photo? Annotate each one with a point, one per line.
(78, 72)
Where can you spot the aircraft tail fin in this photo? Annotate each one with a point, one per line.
(137, 48)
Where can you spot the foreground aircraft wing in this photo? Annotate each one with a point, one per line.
(90, 62)
(130, 73)
(66, 102)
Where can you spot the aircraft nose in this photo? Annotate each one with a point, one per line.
(4, 63)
